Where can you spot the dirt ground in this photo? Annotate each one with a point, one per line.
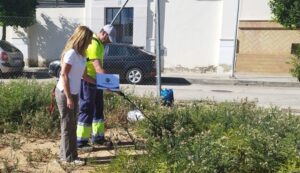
(29, 154)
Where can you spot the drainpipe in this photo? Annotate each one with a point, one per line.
(157, 49)
(235, 39)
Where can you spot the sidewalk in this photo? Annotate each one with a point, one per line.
(214, 78)
(226, 79)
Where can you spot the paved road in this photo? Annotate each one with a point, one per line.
(263, 90)
(284, 97)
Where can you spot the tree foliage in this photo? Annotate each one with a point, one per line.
(286, 12)
(18, 12)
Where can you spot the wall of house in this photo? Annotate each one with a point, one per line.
(95, 16)
(193, 33)
(255, 10)
(264, 46)
(44, 41)
(228, 34)
(248, 10)
(49, 35)
(190, 32)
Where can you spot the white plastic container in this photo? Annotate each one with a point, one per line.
(135, 115)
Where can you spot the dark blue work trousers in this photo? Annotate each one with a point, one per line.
(90, 113)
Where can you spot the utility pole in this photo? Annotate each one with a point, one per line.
(235, 39)
(118, 12)
(157, 48)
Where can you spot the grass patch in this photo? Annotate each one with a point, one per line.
(23, 104)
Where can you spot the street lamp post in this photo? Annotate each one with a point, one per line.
(235, 39)
(157, 49)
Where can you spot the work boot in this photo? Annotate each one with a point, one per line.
(104, 142)
(85, 147)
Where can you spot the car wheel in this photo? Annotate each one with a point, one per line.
(134, 76)
(58, 72)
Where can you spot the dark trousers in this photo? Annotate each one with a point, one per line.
(91, 118)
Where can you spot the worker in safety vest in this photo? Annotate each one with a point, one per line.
(91, 119)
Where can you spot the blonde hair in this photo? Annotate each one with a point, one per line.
(78, 41)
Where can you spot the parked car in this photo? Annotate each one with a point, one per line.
(132, 63)
(11, 58)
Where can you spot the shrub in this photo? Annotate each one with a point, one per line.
(22, 98)
(24, 108)
(225, 137)
(295, 62)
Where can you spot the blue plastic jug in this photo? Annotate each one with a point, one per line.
(167, 96)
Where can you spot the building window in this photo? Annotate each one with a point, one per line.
(123, 23)
(60, 3)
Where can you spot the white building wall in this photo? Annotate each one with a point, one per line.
(49, 35)
(190, 32)
(227, 39)
(95, 16)
(193, 33)
(255, 10)
(248, 10)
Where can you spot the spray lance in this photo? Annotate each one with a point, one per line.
(120, 93)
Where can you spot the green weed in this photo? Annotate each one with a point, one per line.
(217, 137)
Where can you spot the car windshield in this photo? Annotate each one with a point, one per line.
(8, 47)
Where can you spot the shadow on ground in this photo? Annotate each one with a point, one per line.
(28, 74)
(165, 81)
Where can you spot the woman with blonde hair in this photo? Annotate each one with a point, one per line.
(73, 63)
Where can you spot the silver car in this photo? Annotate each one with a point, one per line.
(11, 58)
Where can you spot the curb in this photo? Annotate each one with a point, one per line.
(242, 82)
(211, 80)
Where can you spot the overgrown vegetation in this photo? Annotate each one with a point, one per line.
(24, 108)
(295, 62)
(200, 137)
(217, 137)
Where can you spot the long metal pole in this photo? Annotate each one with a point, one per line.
(118, 12)
(235, 39)
(157, 49)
